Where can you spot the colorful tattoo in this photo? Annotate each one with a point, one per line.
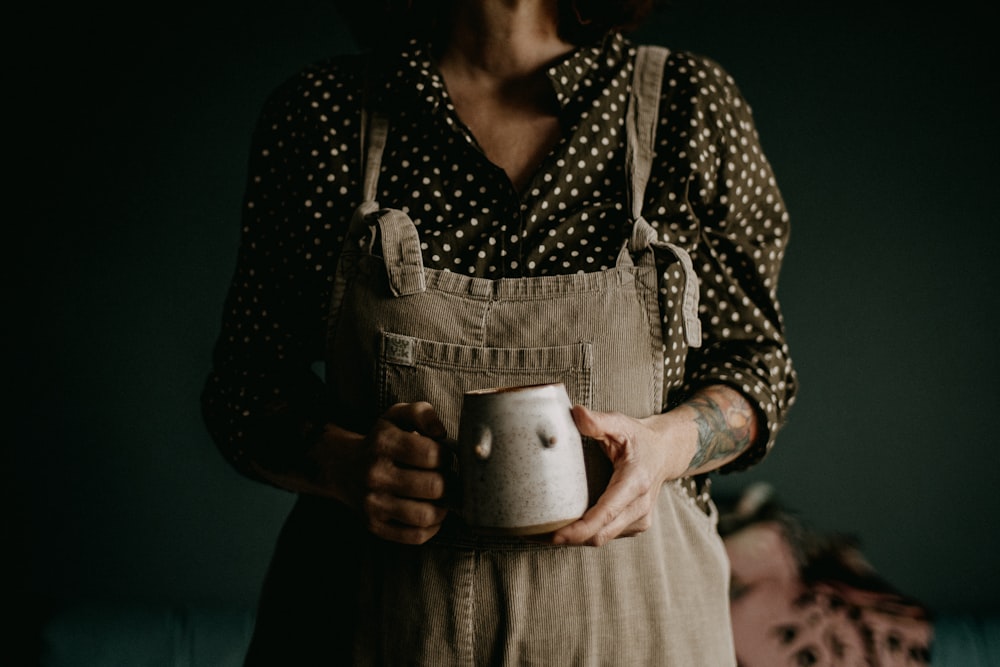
(723, 427)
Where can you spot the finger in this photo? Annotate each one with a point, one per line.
(411, 535)
(623, 509)
(607, 519)
(593, 531)
(609, 429)
(403, 520)
(404, 534)
(385, 508)
(407, 448)
(386, 477)
(586, 421)
(419, 416)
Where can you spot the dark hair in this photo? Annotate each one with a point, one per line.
(580, 21)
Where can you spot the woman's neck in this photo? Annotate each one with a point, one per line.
(503, 40)
(494, 67)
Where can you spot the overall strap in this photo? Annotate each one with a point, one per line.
(393, 229)
(641, 119)
(374, 132)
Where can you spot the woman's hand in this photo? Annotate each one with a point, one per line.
(394, 476)
(404, 482)
(712, 428)
(642, 463)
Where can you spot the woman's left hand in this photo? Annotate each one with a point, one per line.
(643, 459)
(710, 429)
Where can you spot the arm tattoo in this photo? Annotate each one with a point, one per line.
(723, 428)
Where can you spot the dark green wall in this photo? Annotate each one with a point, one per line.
(128, 149)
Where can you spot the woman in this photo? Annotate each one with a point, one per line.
(515, 195)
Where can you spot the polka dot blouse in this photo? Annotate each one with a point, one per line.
(711, 192)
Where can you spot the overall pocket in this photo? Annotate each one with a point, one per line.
(413, 369)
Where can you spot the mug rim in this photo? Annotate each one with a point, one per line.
(494, 391)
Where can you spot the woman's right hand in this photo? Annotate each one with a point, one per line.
(403, 484)
(394, 476)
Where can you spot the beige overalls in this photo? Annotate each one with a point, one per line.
(403, 332)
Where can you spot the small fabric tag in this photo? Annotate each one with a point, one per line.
(398, 349)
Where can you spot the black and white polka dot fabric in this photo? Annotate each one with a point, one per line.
(711, 191)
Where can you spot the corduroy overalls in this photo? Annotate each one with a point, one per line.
(402, 332)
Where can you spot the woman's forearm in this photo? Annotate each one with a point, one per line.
(727, 426)
(327, 468)
(712, 428)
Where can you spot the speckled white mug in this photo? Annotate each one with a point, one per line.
(520, 459)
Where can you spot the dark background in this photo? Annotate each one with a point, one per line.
(127, 137)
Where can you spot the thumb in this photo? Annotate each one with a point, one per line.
(420, 417)
(610, 429)
(598, 425)
(427, 422)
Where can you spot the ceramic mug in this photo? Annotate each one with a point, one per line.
(520, 460)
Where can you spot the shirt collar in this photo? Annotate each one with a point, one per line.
(412, 76)
(587, 67)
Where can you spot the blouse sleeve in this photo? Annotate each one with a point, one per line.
(742, 232)
(262, 401)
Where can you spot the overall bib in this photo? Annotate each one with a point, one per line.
(403, 332)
